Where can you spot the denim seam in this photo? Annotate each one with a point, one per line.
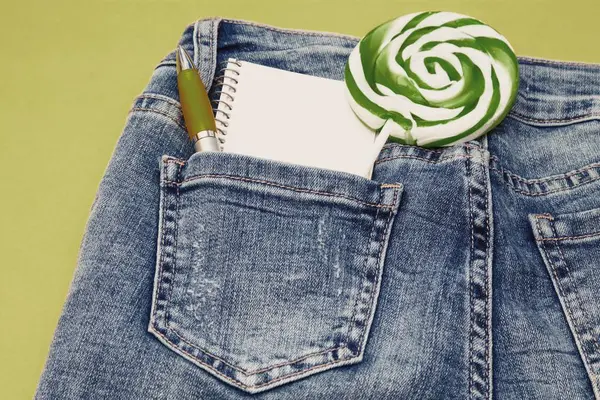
(160, 97)
(162, 246)
(165, 63)
(196, 55)
(175, 240)
(545, 216)
(214, 26)
(291, 31)
(575, 237)
(379, 266)
(559, 177)
(293, 188)
(235, 382)
(376, 267)
(479, 364)
(489, 229)
(173, 160)
(442, 159)
(530, 184)
(358, 292)
(528, 193)
(429, 156)
(471, 301)
(393, 145)
(487, 286)
(152, 110)
(246, 371)
(564, 298)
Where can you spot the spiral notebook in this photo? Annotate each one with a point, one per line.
(291, 117)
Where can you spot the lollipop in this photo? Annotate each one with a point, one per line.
(432, 79)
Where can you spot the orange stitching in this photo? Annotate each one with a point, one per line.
(391, 145)
(379, 269)
(362, 284)
(162, 251)
(296, 189)
(488, 286)
(527, 193)
(545, 216)
(237, 383)
(173, 160)
(244, 371)
(174, 246)
(569, 174)
(321, 366)
(422, 158)
(198, 360)
(560, 238)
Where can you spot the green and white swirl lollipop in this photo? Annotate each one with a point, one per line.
(432, 79)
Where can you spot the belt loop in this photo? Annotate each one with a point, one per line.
(205, 48)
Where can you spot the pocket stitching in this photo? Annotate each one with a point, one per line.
(233, 381)
(575, 237)
(253, 372)
(293, 188)
(287, 376)
(175, 241)
(363, 278)
(372, 299)
(577, 296)
(576, 324)
(163, 235)
(352, 322)
(155, 328)
(533, 187)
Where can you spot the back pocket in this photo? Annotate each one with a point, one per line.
(267, 272)
(570, 247)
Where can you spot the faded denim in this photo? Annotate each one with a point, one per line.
(468, 272)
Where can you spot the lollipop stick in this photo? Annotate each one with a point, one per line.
(378, 142)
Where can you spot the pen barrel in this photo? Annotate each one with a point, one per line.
(195, 104)
(206, 141)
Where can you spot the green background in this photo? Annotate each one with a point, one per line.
(69, 73)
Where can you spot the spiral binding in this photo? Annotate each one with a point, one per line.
(219, 83)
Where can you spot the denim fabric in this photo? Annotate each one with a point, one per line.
(467, 272)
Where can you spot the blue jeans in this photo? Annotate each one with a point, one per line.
(466, 272)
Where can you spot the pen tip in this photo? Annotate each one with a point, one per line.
(183, 60)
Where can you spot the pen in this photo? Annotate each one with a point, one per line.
(196, 107)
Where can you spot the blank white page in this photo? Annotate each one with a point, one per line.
(295, 118)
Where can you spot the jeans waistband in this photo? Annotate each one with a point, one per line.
(552, 130)
(550, 92)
